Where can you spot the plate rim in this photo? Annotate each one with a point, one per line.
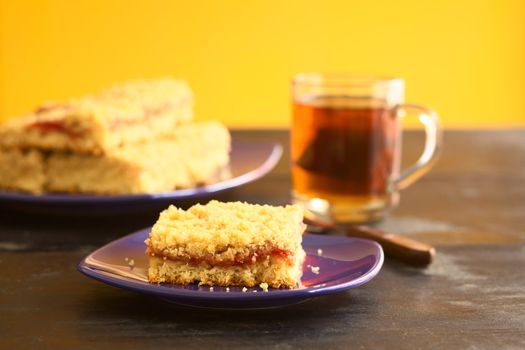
(272, 159)
(191, 295)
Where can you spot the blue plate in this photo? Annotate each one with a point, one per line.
(344, 263)
(249, 161)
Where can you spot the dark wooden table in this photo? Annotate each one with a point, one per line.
(471, 206)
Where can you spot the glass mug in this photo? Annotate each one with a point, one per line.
(346, 146)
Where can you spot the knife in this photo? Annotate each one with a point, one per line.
(396, 246)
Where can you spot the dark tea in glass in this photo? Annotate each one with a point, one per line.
(345, 145)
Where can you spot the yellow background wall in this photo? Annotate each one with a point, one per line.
(465, 58)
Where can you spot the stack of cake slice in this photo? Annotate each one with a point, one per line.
(136, 137)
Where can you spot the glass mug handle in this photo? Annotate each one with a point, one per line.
(432, 150)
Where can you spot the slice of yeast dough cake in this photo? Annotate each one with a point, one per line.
(226, 244)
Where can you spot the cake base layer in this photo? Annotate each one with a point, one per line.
(22, 170)
(277, 273)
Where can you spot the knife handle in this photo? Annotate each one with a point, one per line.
(399, 247)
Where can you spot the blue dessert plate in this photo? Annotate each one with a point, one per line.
(249, 161)
(333, 264)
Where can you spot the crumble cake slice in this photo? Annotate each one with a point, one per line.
(154, 166)
(228, 244)
(192, 154)
(129, 112)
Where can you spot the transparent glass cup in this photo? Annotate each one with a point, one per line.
(346, 146)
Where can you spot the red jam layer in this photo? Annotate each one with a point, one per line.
(148, 113)
(54, 126)
(59, 126)
(239, 260)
